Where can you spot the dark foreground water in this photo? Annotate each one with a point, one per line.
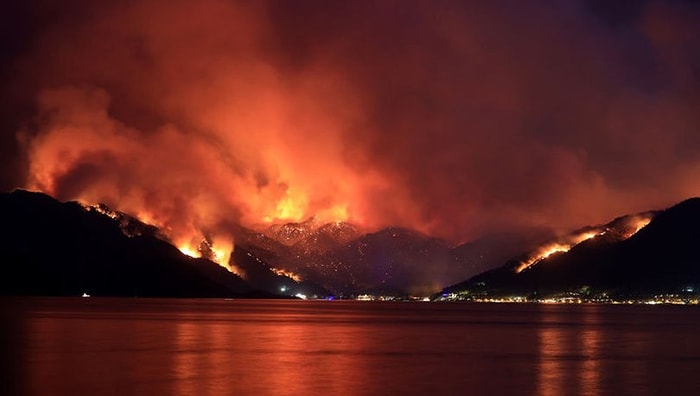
(97, 346)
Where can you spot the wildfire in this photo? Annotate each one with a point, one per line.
(556, 247)
(294, 207)
(216, 249)
(288, 274)
(188, 251)
(101, 209)
(206, 176)
(637, 224)
(290, 208)
(625, 229)
(147, 218)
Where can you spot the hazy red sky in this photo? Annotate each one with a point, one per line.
(457, 118)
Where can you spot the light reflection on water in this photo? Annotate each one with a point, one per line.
(600, 350)
(283, 357)
(569, 356)
(142, 346)
(590, 340)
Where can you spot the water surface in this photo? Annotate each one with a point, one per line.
(150, 346)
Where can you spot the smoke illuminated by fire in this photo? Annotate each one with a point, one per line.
(446, 117)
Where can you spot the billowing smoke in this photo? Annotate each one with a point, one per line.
(454, 118)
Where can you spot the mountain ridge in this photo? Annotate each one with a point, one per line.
(660, 257)
(54, 248)
(66, 248)
(308, 258)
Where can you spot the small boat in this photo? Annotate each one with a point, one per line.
(85, 294)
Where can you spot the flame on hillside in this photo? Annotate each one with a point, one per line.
(563, 246)
(199, 184)
(637, 224)
(218, 250)
(288, 274)
(101, 209)
(625, 229)
(188, 251)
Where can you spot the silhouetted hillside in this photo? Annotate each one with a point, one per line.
(663, 256)
(53, 248)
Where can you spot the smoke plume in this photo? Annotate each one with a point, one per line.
(452, 118)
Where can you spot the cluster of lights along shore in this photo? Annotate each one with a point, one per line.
(687, 295)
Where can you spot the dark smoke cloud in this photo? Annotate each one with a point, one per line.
(455, 118)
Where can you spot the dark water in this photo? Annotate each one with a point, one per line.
(154, 347)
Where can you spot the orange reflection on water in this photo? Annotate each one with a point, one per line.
(299, 352)
(569, 354)
(204, 357)
(590, 343)
(195, 359)
(76, 348)
(270, 353)
(550, 370)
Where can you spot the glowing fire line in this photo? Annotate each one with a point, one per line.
(634, 225)
(556, 247)
(288, 274)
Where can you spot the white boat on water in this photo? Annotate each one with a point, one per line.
(85, 294)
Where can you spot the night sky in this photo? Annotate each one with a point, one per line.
(455, 118)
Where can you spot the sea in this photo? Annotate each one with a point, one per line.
(139, 346)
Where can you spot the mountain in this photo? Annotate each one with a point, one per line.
(326, 238)
(290, 233)
(644, 254)
(338, 258)
(344, 260)
(392, 261)
(262, 274)
(53, 248)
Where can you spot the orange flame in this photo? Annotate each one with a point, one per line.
(629, 227)
(187, 250)
(218, 250)
(288, 274)
(556, 247)
(292, 207)
(637, 224)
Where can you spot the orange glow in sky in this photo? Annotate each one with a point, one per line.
(452, 118)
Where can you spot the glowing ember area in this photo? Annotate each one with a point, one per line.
(556, 247)
(216, 250)
(637, 224)
(219, 250)
(288, 274)
(188, 251)
(623, 228)
(101, 209)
